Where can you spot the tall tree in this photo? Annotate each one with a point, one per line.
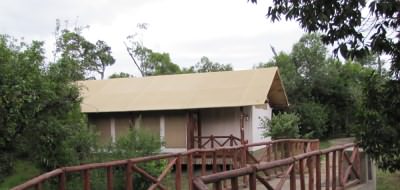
(324, 92)
(103, 58)
(39, 110)
(355, 35)
(78, 56)
(343, 24)
(146, 60)
(162, 64)
(138, 52)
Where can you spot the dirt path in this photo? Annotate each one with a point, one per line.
(340, 141)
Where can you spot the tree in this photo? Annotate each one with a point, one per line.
(343, 24)
(103, 58)
(40, 114)
(314, 118)
(325, 93)
(138, 52)
(356, 36)
(80, 57)
(120, 75)
(148, 62)
(380, 131)
(206, 65)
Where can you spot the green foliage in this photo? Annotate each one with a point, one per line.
(22, 171)
(136, 143)
(206, 65)
(282, 125)
(162, 64)
(342, 24)
(120, 75)
(79, 57)
(39, 110)
(334, 98)
(325, 93)
(356, 35)
(148, 62)
(314, 119)
(380, 130)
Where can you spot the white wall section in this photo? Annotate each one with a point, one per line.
(112, 128)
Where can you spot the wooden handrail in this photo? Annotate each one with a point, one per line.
(310, 158)
(236, 155)
(219, 140)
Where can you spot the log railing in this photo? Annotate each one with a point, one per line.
(216, 141)
(341, 169)
(221, 159)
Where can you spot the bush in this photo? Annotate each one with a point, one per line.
(136, 143)
(314, 117)
(282, 125)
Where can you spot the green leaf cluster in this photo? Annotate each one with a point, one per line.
(355, 33)
(206, 65)
(40, 118)
(135, 143)
(325, 93)
(79, 58)
(281, 126)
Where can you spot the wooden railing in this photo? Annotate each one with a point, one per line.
(228, 158)
(216, 141)
(342, 169)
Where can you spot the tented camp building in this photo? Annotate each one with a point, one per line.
(186, 110)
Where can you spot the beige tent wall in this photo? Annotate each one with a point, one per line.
(102, 128)
(214, 121)
(123, 121)
(174, 123)
(175, 130)
(224, 122)
(151, 123)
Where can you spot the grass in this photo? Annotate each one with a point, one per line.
(23, 171)
(387, 180)
(323, 144)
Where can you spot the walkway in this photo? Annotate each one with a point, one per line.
(334, 142)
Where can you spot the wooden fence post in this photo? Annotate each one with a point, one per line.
(128, 176)
(190, 170)
(327, 171)
(212, 141)
(340, 165)
(178, 173)
(109, 178)
(86, 180)
(334, 170)
(318, 172)
(293, 177)
(62, 181)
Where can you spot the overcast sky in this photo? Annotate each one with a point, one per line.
(226, 31)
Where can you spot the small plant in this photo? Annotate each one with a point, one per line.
(136, 143)
(282, 125)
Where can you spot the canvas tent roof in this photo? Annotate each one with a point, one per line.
(184, 91)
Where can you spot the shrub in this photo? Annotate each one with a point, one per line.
(136, 143)
(282, 125)
(314, 117)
